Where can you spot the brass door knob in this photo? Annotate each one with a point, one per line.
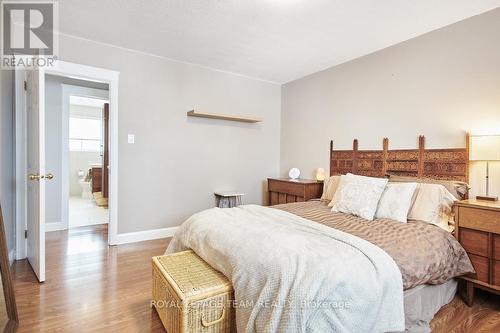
(49, 176)
(34, 177)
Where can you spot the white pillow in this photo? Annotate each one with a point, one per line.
(433, 204)
(358, 195)
(396, 201)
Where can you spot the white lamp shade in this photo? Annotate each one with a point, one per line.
(485, 148)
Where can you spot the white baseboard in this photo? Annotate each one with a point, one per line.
(139, 236)
(54, 226)
(12, 256)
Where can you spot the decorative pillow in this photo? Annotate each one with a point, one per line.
(358, 195)
(396, 201)
(457, 188)
(433, 204)
(330, 187)
(339, 181)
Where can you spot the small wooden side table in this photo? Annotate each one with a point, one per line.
(227, 199)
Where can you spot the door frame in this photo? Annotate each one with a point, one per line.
(84, 72)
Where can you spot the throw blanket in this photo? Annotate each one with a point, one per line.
(294, 275)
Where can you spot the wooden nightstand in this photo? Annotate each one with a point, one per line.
(478, 230)
(283, 191)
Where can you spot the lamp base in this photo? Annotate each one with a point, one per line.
(486, 198)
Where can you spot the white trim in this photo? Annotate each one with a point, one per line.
(110, 77)
(139, 236)
(20, 163)
(67, 91)
(64, 160)
(175, 60)
(54, 226)
(12, 256)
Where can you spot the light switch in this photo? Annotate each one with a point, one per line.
(131, 138)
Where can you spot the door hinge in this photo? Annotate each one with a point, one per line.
(26, 233)
(25, 85)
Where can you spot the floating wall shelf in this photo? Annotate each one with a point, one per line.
(194, 113)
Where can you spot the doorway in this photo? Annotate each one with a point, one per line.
(37, 169)
(74, 150)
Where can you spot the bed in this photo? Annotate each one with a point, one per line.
(395, 276)
(426, 287)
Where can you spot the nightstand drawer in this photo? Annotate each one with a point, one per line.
(481, 266)
(496, 272)
(474, 241)
(282, 191)
(496, 247)
(290, 187)
(480, 219)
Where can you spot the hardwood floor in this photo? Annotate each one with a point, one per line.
(457, 317)
(91, 287)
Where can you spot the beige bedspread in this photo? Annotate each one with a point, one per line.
(424, 253)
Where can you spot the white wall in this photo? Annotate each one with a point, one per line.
(177, 162)
(440, 85)
(85, 111)
(7, 180)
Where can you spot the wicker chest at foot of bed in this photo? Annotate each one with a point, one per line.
(190, 296)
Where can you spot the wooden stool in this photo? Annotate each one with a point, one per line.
(228, 199)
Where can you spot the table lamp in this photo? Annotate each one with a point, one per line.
(485, 148)
(320, 174)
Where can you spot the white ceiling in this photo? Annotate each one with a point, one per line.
(274, 40)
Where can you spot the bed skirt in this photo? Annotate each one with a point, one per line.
(423, 302)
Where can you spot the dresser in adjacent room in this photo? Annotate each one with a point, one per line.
(96, 179)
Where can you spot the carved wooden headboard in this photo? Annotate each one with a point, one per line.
(447, 163)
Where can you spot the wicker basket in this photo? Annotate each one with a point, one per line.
(190, 296)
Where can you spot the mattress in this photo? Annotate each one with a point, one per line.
(424, 253)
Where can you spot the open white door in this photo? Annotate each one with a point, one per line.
(35, 165)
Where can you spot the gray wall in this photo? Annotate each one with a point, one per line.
(439, 84)
(177, 162)
(7, 176)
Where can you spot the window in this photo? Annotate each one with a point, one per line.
(85, 134)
